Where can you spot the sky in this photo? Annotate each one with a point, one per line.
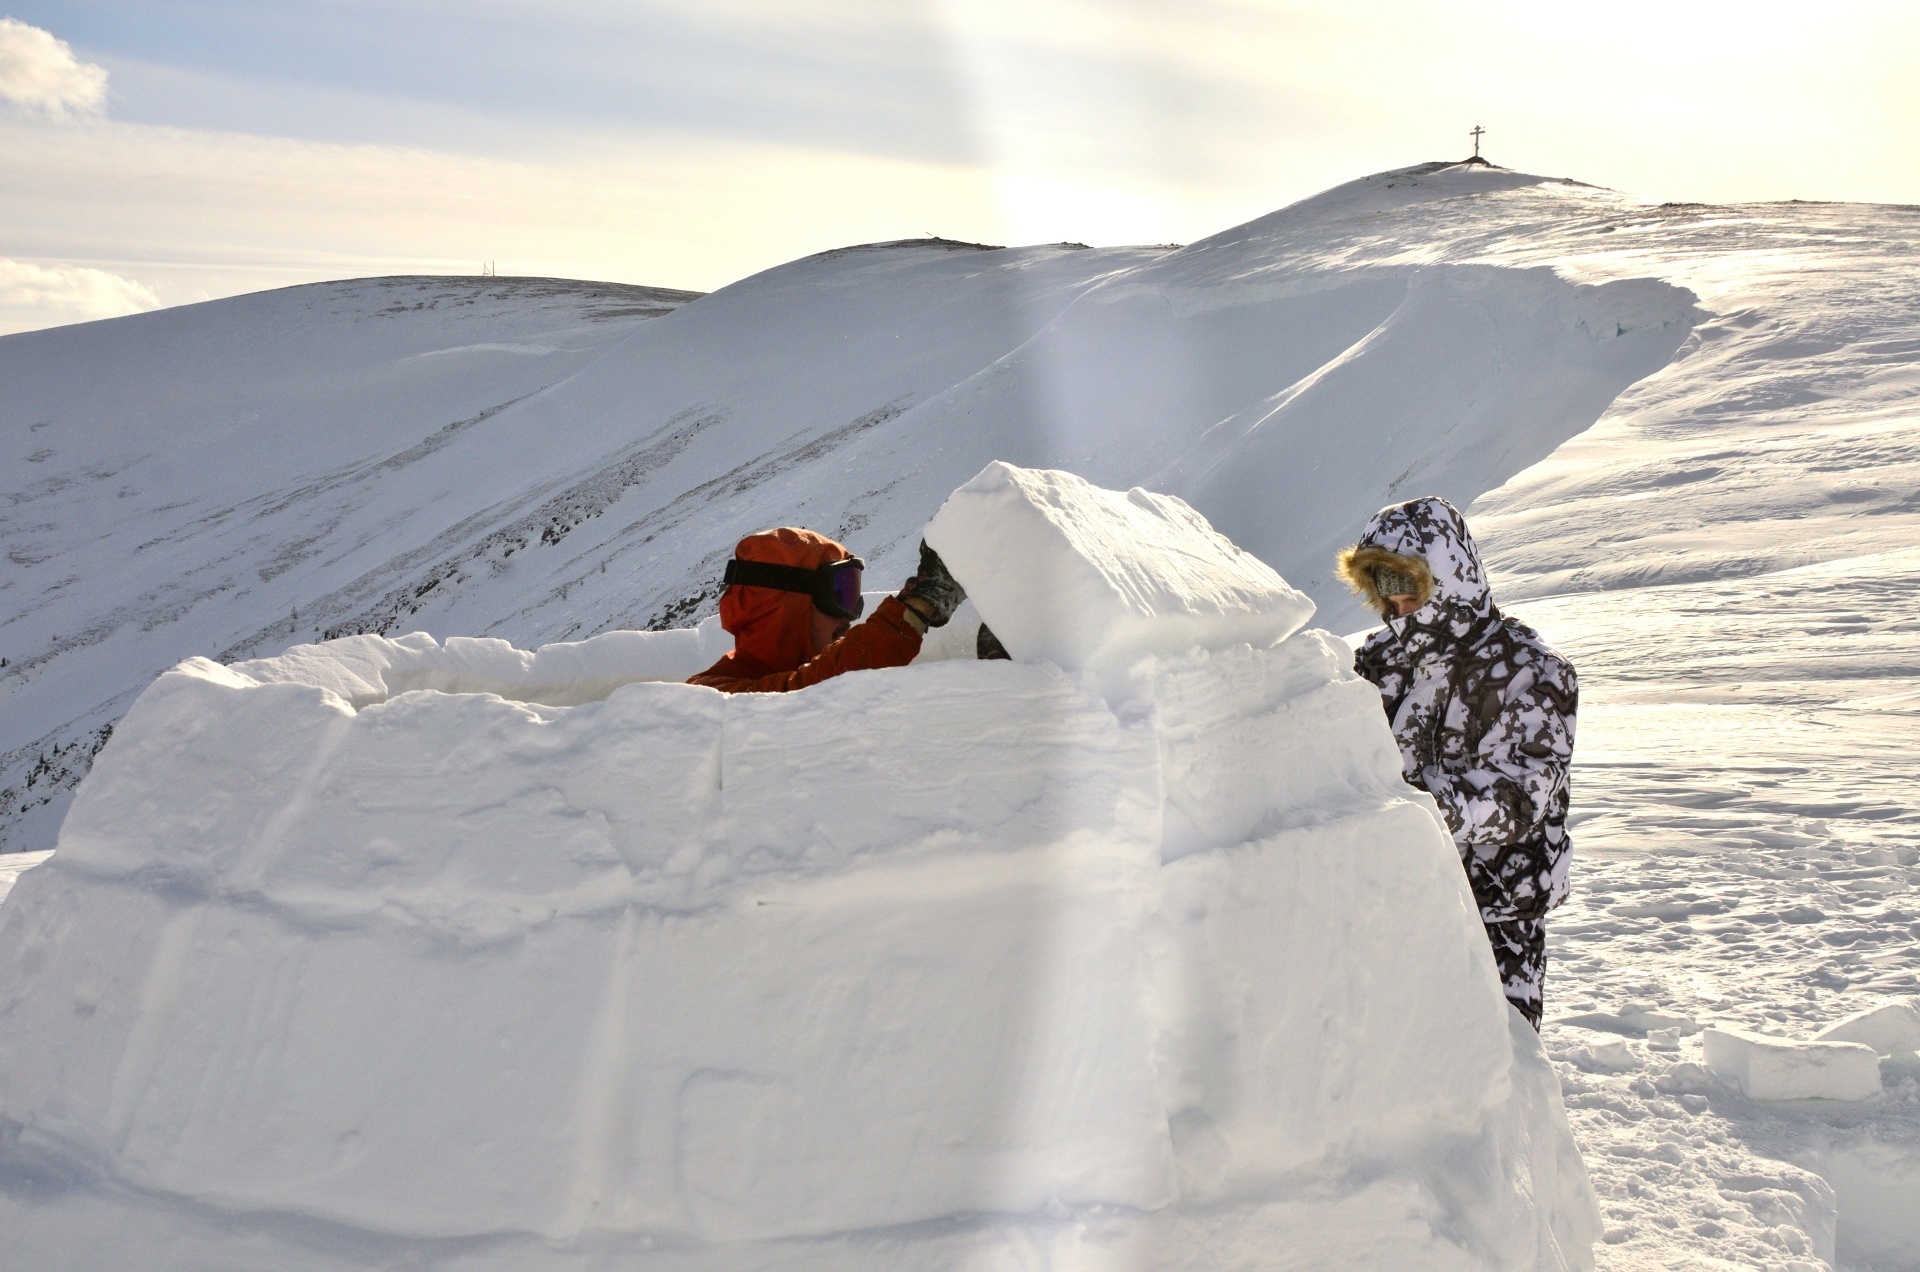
(171, 151)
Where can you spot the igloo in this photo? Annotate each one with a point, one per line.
(1132, 952)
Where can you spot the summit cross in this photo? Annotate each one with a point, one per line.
(1476, 134)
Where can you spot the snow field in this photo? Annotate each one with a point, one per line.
(1163, 965)
(232, 418)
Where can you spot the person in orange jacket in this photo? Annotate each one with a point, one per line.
(791, 599)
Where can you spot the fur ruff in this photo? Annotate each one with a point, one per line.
(1357, 564)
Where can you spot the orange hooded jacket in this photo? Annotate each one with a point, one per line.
(773, 630)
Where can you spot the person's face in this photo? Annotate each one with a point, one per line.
(1404, 605)
(827, 629)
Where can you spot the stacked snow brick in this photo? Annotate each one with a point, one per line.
(1131, 952)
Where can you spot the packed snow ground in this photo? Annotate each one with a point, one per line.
(1727, 552)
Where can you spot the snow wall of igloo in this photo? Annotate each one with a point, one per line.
(1148, 960)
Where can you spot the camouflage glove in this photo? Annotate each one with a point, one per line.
(932, 592)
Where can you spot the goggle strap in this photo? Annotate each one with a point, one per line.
(782, 578)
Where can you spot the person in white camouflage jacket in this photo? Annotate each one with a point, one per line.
(1483, 709)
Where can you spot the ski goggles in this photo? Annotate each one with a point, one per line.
(834, 587)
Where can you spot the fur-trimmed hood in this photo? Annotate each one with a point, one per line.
(1428, 539)
(1356, 566)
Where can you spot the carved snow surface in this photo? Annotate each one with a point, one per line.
(349, 955)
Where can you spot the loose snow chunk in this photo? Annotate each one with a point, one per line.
(1066, 572)
(1782, 1069)
(1892, 1029)
(1613, 1056)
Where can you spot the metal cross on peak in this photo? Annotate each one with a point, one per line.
(1476, 134)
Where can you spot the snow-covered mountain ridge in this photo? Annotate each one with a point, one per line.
(527, 462)
(135, 448)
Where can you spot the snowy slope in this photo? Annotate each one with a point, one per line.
(597, 487)
(1738, 538)
(170, 479)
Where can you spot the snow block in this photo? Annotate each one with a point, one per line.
(1066, 572)
(1891, 1030)
(1781, 1069)
(959, 964)
(369, 669)
(1283, 813)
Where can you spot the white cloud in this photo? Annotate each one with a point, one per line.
(195, 214)
(33, 296)
(699, 150)
(40, 72)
